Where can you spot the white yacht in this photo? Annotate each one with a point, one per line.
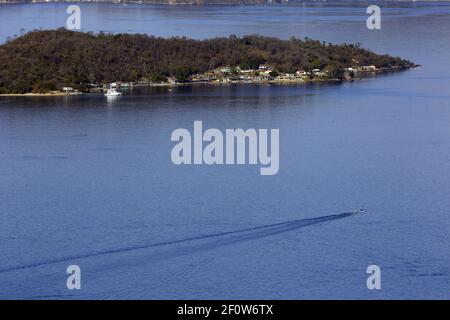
(112, 93)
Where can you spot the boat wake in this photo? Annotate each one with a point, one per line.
(221, 239)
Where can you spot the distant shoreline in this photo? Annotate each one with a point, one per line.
(166, 2)
(186, 84)
(307, 3)
(282, 82)
(167, 85)
(31, 94)
(162, 2)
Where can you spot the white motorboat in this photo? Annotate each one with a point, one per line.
(113, 93)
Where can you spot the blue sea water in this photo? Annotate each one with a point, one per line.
(89, 181)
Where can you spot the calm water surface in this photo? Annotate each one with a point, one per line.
(89, 181)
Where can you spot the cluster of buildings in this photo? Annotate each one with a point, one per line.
(235, 74)
(266, 74)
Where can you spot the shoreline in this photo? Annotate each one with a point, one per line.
(170, 86)
(283, 82)
(47, 94)
(152, 2)
(183, 84)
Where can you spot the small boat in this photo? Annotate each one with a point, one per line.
(112, 93)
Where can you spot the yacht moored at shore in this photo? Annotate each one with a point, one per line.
(113, 93)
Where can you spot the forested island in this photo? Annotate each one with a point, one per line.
(60, 60)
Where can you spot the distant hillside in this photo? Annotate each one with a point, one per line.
(42, 61)
(224, 2)
(206, 2)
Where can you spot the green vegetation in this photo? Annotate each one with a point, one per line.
(42, 61)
